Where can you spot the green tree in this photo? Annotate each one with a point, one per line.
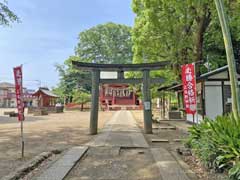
(162, 31)
(230, 58)
(106, 43)
(71, 79)
(182, 32)
(81, 97)
(214, 49)
(59, 92)
(6, 15)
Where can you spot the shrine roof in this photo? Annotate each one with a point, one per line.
(46, 92)
(211, 73)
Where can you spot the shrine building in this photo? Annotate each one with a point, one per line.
(117, 96)
(45, 97)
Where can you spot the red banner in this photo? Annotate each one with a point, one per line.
(18, 88)
(189, 88)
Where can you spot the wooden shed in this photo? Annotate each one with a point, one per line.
(45, 97)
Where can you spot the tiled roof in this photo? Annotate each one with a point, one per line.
(49, 93)
(46, 91)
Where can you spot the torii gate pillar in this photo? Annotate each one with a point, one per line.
(147, 112)
(95, 101)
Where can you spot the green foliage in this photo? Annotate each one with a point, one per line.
(81, 97)
(6, 15)
(213, 42)
(199, 140)
(216, 143)
(71, 79)
(158, 30)
(235, 92)
(182, 32)
(234, 173)
(59, 91)
(167, 30)
(106, 43)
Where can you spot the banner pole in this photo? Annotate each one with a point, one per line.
(23, 117)
(195, 74)
(22, 139)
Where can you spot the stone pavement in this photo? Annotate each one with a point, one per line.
(120, 131)
(119, 151)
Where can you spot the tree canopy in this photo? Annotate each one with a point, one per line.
(81, 97)
(6, 15)
(182, 31)
(105, 43)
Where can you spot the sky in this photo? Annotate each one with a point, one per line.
(48, 34)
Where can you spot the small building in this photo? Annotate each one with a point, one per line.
(45, 97)
(213, 94)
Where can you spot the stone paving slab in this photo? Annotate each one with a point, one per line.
(120, 131)
(138, 140)
(114, 163)
(62, 167)
(169, 168)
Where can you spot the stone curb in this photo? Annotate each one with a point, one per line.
(185, 166)
(30, 165)
(60, 169)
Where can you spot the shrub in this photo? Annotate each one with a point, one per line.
(217, 144)
(234, 172)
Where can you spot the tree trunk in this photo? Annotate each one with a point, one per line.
(81, 106)
(164, 110)
(203, 23)
(230, 58)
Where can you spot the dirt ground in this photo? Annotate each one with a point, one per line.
(42, 133)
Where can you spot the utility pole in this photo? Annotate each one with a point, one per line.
(230, 58)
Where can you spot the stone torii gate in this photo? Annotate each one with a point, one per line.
(120, 69)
